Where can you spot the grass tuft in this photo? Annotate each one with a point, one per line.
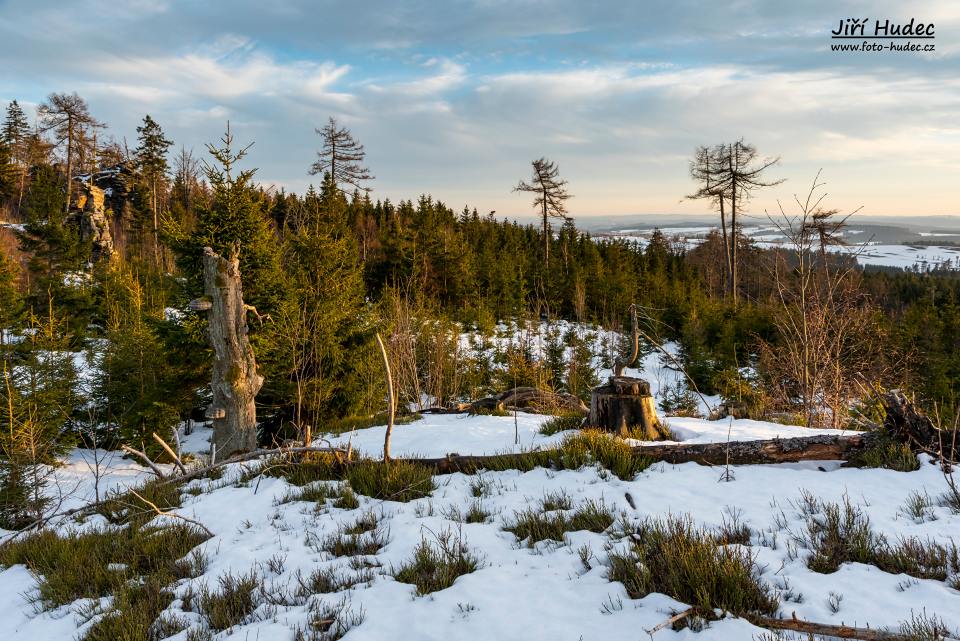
(562, 423)
(394, 481)
(533, 526)
(329, 622)
(331, 579)
(231, 603)
(674, 557)
(435, 568)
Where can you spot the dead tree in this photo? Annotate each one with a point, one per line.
(551, 195)
(625, 402)
(235, 380)
(68, 117)
(728, 175)
(341, 156)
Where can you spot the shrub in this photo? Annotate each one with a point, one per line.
(842, 534)
(97, 563)
(561, 423)
(329, 622)
(393, 481)
(231, 603)
(125, 507)
(132, 564)
(888, 453)
(434, 568)
(532, 525)
(675, 558)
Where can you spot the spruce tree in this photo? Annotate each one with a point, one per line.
(341, 156)
(14, 146)
(11, 302)
(235, 221)
(151, 157)
(58, 256)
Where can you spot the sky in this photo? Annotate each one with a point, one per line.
(455, 98)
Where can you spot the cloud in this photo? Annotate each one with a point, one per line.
(457, 98)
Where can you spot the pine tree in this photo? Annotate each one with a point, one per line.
(151, 157)
(16, 128)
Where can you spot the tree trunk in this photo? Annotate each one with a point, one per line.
(66, 207)
(622, 405)
(235, 380)
(726, 247)
(546, 234)
(791, 450)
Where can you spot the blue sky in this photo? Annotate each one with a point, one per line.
(456, 98)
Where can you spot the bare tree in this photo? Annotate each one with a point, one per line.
(829, 341)
(341, 156)
(68, 117)
(551, 195)
(728, 174)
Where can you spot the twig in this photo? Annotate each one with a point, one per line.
(827, 630)
(173, 514)
(146, 459)
(679, 616)
(249, 456)
(169, 450)
(390, 399)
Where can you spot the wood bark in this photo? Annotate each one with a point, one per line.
(390, 399)
(235, 381)
(528, 398)
(622, 404)
(905, 422)
(827, 630)
(806, 448)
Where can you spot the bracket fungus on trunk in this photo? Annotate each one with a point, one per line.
(235, 381)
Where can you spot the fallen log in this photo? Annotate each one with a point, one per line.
(528, 398)
(908, 424)
(827, 630)
(790, 450)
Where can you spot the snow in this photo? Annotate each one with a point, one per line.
(436, 435)
(544, 592)
(873, 254)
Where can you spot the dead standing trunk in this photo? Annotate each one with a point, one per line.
(235, 380)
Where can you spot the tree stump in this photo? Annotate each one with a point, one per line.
(624, 403)
(235, 380)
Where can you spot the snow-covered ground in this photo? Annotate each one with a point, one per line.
(870, 253)
(544, 592)
(436, 435)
